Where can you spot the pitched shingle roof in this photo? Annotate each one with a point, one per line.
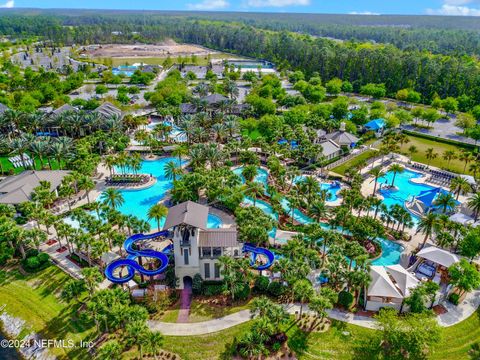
(218, 238)
(18, 188)
(108, 109)
(187, 213)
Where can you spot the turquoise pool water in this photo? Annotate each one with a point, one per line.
(137, 202)
(332, 188)
(262, 175)
(124, 70)
(405, 190)
(175, 133)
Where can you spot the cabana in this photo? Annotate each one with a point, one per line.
(382, 292)
(404, 280)
(433, 264)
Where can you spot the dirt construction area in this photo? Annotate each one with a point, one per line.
(168, 48)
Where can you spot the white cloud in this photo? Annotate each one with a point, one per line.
(9, 4)
(457, 8)
(209, 5)
(276, 3)
(454, 10)
(363, 13)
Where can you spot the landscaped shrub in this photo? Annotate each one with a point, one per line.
(212, 288)
(35, 262)
(197, 284)
(345, 299)
(243, 292)
(276, 288)
(454, 298)
(261, 284)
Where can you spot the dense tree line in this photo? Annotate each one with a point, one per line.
(359, 63)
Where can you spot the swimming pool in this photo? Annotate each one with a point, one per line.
(175, 134)
(262, 175)
(405, 189)
(390, 251)
(137, 202)
(124, 70)
(331, 188)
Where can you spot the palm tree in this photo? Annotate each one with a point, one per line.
(460, 185)
(157, 212)
(317, 210)
(40, 149)
(396, 169)
(445, 201)
(86, 184)
(180, 151)
(474, 168)
(377, 173)
(303, 292)
(154, 342)
(254, 190)
(111, 350)
(449, 155)
(427, 226)
(412, 150)
(172, 170)
(466, 157)
(430, 154)
(112, 197)
(474, 204)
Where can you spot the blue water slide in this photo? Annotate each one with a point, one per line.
(255, 251)
(131, 264)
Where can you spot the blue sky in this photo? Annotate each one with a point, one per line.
(431, 7)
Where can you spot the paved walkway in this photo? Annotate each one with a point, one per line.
(454, 315)
(185, 302)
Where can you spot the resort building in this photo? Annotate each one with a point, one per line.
(17, 189)
(330, 149)
(389, 286)
(108, 110)
(196, 247)
(343, 138)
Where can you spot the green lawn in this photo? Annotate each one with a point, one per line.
(253, 135)
(423, 144)
(354, 162)
(7, 166)
(203, 347)
(35, 299)
(203, 312)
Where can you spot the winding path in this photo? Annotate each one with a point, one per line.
(455, 315)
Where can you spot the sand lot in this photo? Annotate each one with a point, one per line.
(169, 48)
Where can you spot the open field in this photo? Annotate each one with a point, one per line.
(422, 145)
(35, 299)
(163, 50)
(201, 60)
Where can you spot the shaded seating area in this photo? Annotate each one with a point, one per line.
(432, 264)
